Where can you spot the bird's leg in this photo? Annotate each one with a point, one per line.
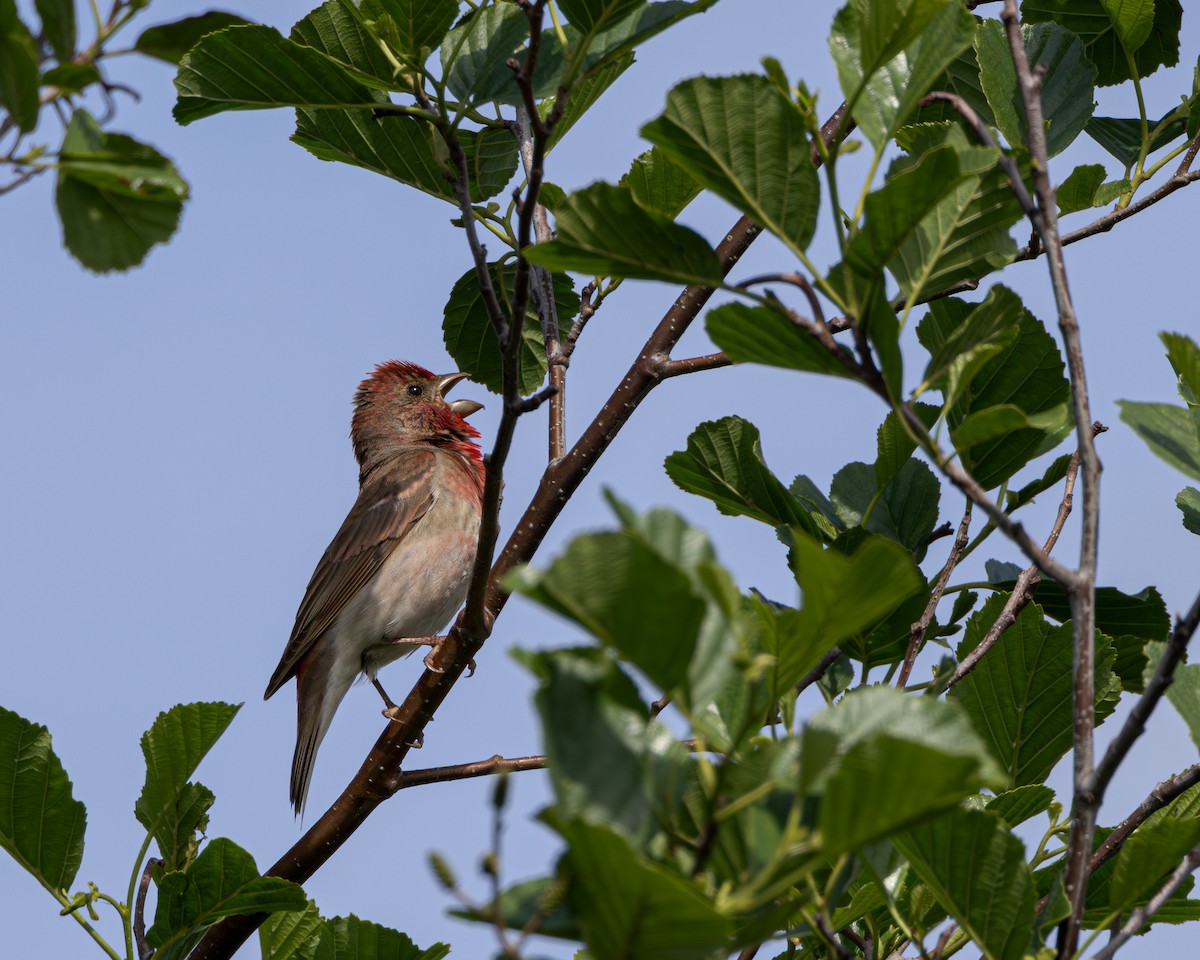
(436, 644)
(392, 712)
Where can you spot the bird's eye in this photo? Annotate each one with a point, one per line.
(414, 390)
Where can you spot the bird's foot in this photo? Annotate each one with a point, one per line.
(430, 659)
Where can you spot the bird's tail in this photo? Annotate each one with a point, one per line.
(317, 699)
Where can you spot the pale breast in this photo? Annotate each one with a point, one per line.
(418, 589)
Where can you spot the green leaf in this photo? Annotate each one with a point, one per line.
(415, 27)
(632, 908)
(173, 747)
(1086, 188)
(609, 41)
(1122, 137)
(966, 234)
(1028, 374)
(883, 761)
(1146, 857)
(763, 335)
(1171, 432)
(589, 16)
(846, 594)
(1132, 19)
(895, 445)
(294, 935)
(1142, 614)
(471, 339)
(58, 26)
(117, 164)
(982, 426)
(1068, 87)
(727, 628)
(337, 29)
(1019, 694)
(1184, 694)
(905, 511)
(116, 197)
(517, 907)
(1055, 472)
(170, 41)
(1017, 805)
(958, 353)
(41, 823)
(18, 69)
(895, 212)
(475, 53)
(891, 90)
(784, 635)
(724, 463)
(223, 881)
(407, 150)
(71, 77)
(976, 869)
(1184, 357)
(256, 67)
(603, 231)
(182, 824)
(607, 761)
(1098, 28)
(355, 939)
(598, 582)
(746, 142)
(660, 184)
(1188, 502)
(583, 97)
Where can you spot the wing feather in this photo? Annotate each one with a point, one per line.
(385, 510)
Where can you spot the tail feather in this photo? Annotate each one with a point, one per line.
(316, 704)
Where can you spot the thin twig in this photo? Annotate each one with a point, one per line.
(1007, 164)
(1027, 581)
(145, 951)
(817, 672)
(467, 771)
(1081, 589)
(1135, 723)
(1138, 918)
(711, 361)
(830, 937)
(543, 298)
(1162, 794)
(917, 634)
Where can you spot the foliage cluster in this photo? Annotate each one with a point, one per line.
(889, 818)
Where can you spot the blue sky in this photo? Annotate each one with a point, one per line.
(178, 460)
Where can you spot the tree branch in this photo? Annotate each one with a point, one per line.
(467, 771)
(1140, 915)
(1081, 588)
(917, 633)
(376, 778)
(1135, 723)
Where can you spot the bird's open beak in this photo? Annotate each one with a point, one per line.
(464, 408)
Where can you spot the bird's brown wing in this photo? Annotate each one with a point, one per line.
(385, 510)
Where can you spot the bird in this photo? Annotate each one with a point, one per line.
(399, 567)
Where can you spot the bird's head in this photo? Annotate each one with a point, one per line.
(401, 404)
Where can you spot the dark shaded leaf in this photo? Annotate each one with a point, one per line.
(746, 142)
(1102, 45)
(170, 41)
(976, 868)
(471, 339)
(41, 823)
(604, 232)
(724, 463)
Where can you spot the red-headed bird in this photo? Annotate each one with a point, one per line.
(399, 567)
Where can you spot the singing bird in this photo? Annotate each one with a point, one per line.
(398, 568)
